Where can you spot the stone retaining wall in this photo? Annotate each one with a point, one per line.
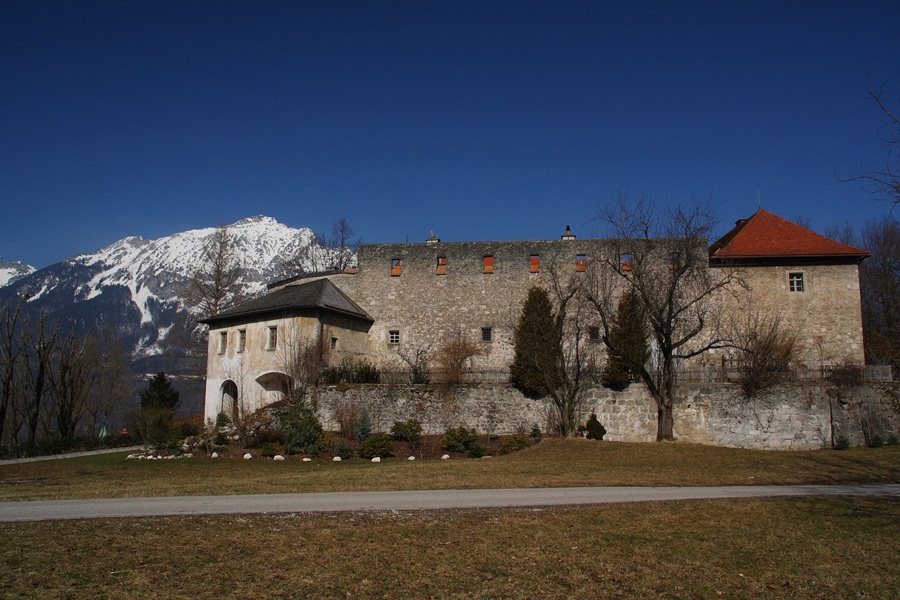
(799, 416)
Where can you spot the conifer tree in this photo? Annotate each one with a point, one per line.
(160, 394)
(534, 369)
(627, 344)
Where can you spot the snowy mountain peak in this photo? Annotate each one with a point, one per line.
(137, 285)
(12, 271)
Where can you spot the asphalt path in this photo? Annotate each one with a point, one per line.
(408, 500)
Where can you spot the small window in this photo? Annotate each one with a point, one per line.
(394, 337)
(795, 282)
(223, 342)
(488, 264)
(242, 340)
(272, 339)
(441, 265)
(580, 263)
(334, 341)
(594, 334)
(673, 261)
(627, 261)
(487, 334)
(534, 263)
(396, 267)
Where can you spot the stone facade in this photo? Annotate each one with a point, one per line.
(424, 304)
(803, 416)
(826, 315)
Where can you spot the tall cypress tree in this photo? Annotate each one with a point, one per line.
(535, 369)
(627, 344)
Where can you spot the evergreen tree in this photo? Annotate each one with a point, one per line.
(627, 344)
(160, 394)
(536, 365)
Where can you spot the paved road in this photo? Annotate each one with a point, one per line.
(408, 500)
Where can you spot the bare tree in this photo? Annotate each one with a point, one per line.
(10, 356)
(40, 342)
(577, 366)
(884, 183)
(453, 357)
(417, 357)
(663, 259)
(217, 283)
(334, 251)
(302, 358)
(767, 347)
(880, 291)
(73, 375)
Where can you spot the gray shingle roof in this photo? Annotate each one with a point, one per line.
(320, 294)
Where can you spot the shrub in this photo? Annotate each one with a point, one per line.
(594, 429)
(347, 415)
(476, 450)
(154, 426)
(363, 428)
(841, 443)
(342, 449)
(366, 373)
(222, 420)
(458, 439)
(875, 441)
(514, 443)
(302, 430)
(221, 439)
(407, 431)
(270, 449)
(892, 440)
(847, 374)
(536, 435)
(376, 445)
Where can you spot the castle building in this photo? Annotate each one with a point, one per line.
(405, 299)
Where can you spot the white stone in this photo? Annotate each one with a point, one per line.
(278, 457)
(376, 459)
(307, 459)
(445, 457)
(214, 455)
(336, 459)
(248, 456)
(411, 458)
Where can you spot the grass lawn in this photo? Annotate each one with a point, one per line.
(781, 548)
(792, 548)
(550, 463)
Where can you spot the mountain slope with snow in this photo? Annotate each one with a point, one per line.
(11, 271)
(134, 288)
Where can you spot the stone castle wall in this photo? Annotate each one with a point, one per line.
(425, 305)
(792, 417)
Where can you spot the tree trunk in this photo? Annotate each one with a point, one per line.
(665, 423)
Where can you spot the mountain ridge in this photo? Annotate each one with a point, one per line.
(135, 286)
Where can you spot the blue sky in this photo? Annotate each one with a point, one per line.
(479, 120)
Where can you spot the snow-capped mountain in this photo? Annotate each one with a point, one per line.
(11, 271)
(134, 288)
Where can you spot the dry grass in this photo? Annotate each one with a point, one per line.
(785, 548)
(551, 463)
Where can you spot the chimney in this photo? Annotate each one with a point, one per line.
(568, 235)
(432, 239)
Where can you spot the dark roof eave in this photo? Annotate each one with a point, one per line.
(281, 310)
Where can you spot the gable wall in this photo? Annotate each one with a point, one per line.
(826, 316)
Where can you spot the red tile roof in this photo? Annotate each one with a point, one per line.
(765, 235)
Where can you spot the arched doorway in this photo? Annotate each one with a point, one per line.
(230, 400)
